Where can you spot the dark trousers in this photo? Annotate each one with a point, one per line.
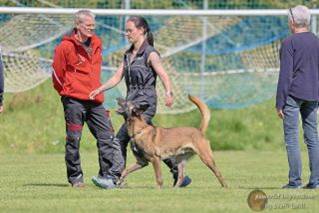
(123, 139)
(109, 151)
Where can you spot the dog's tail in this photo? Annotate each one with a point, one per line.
(203, 110)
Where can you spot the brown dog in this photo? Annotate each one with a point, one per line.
(159, 143)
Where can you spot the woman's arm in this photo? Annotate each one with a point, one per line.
(156, 63)
(112, 82)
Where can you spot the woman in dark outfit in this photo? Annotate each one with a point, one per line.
(140, 67)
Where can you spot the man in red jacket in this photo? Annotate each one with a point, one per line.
(77, 70)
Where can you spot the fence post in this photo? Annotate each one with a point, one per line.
(314, 23)
(203, 52)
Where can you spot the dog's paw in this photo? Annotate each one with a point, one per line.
(121, 183)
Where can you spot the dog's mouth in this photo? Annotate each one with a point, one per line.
(122, 112)
(119, 111)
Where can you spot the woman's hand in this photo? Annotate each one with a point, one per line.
(94, 93)
(114, 80)
(169, 99)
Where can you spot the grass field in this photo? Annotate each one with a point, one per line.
(37, 183)
(33, 176)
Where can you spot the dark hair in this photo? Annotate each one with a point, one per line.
(140, 22)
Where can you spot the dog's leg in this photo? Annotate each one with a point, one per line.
(129, 170)
(206, 155)
(156, 161)
(181, 173)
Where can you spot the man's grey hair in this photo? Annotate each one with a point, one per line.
(79, 15)
(300, 16)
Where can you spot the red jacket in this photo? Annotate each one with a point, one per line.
(76, 73)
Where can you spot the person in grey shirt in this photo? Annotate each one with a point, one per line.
(298, 92)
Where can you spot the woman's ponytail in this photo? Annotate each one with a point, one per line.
(150, 38)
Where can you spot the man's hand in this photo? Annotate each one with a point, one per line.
(1, 108)
(280, 113)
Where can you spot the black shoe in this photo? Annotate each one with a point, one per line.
(311, 186)
(186, 181)
(292, 186)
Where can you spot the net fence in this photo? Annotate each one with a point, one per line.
(229, 61)
(163, 4)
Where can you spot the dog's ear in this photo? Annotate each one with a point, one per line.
(120, 101)
(140, 108)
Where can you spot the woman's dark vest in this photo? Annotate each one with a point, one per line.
(140, 78)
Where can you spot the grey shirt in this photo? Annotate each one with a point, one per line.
(299, 68)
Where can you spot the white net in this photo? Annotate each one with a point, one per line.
(24, 70)
(240, 63)
(20, 35)
(229, 61)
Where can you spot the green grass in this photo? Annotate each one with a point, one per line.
(33, 176)
(33, 122)
(37, 183)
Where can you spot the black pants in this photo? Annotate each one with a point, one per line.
(123, 139)
(109, 151)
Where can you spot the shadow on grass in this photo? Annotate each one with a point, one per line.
(47, 185)
(137, 187)
(67, 185)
